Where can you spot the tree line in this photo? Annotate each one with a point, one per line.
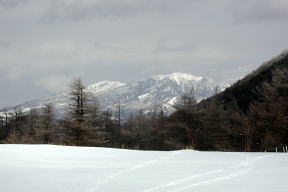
(84, 124)
(246, 117)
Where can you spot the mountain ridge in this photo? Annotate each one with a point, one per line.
(161, 90)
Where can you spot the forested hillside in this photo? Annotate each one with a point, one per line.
(251, 115)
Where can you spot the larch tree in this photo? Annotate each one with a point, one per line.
(44, 131)
(119, 115)
(77, 112)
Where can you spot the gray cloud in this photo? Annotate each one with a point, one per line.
(8, 4)
(56, 83)
(259, 10)
(44, 44)
(174, 46)
(4, 44)
(60, 10)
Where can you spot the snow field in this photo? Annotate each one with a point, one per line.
(89, 169)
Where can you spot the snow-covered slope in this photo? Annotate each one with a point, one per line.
(160, 90)
(48, 168)
(104, 86)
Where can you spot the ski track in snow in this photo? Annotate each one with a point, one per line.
(112, 176)
(205, 182)
(243, 170)
(175, 183)
(167, 187)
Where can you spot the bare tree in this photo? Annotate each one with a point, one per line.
(84, 120)
(216, 90)
(78, 100)
(94, 110)
(159, 125)
(119, 118)
(188, 100)
(6, 123)
(190, 116)
(45, 121)
(246, 127)
(77, 112)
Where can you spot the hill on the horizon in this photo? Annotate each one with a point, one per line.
(251, 115)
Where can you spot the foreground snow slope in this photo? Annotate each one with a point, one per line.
(29, 168)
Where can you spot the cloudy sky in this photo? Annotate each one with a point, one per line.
(44, 44)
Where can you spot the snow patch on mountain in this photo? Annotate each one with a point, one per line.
(104, 86)
(180, 78)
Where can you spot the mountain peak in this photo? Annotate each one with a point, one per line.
(178, 76)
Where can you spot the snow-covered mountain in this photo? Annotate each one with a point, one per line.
(160, 90)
